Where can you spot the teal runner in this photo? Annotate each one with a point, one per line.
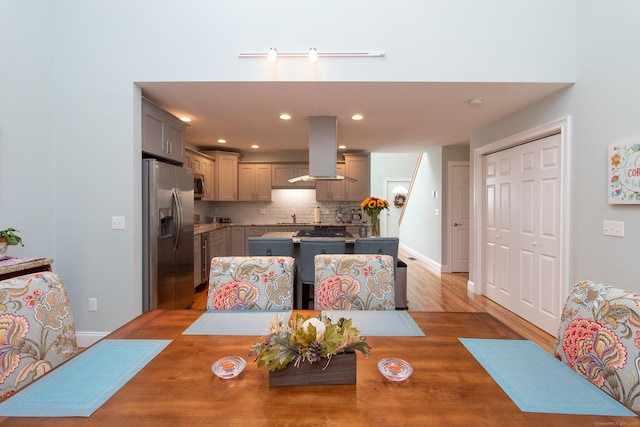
(235, 322)
(80, 386)
(538, 382)
(382, 323)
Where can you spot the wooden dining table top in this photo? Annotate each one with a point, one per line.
(448, 386)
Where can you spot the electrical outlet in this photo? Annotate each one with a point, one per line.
(93, 304)
(117, 223)
(613, 228)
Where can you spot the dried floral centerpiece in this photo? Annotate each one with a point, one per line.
(301, 351)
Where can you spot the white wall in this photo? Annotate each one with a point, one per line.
(603, 110)
(421, 230)
(69, 124)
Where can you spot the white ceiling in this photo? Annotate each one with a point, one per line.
(399, 117)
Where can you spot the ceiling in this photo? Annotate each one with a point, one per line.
(399, 117)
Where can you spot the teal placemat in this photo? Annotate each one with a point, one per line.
(80, 386)
(538, 382)
(384, 323)
(235, 322)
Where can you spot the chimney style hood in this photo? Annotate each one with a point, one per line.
(323, 148)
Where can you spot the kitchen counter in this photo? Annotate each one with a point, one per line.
(205, 228)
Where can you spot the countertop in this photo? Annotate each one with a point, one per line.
(205, 228)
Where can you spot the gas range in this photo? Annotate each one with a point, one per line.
(325, 231)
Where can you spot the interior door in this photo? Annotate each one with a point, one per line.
(391, 217)
(522, 230)
(459, 216)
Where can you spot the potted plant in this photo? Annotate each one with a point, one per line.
(9, 237)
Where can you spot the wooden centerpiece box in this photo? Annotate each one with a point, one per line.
(340, 369)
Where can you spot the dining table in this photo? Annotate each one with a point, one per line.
(448, 386)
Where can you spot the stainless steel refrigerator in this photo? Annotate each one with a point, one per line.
(167, 237)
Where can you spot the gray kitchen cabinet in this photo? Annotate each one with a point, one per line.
(218, 243)
(162, 133)
(254, 182)
(204, 165)
(332, 190)
(193, 160)
(226, 175)
(357, 166)
(209, 172)
(281, 173)
(197, 260)
(236, 244)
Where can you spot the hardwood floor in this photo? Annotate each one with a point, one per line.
(428, 290)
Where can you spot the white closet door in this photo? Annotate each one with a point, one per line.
(522, 230)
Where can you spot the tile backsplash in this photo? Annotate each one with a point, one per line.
(284, 203)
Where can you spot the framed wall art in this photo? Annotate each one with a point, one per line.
(624, 173)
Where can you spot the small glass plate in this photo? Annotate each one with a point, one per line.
(228, 367)
(395, 369)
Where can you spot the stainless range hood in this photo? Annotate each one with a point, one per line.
(323, 149)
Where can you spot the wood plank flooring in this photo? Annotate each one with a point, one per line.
(428, 290)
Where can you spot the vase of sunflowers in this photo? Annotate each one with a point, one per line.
(373, 206)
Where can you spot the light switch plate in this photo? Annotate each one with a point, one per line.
(117, 223)
(613, 228)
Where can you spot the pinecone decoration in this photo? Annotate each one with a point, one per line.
(314, 351)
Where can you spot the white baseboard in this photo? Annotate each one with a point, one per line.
(85, 339)
(430, 263)
(471, 287)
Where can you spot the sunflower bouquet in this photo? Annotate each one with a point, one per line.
(372, 205)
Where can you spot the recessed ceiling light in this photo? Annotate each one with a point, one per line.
(357, 117)
(476, 102)
(255, 146)
(285, 116)
(185, 119)
(222, 141)
(342, 147)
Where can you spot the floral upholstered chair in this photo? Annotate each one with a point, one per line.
(354, 282)
(36, 329)
(251, 283)
(599, 338)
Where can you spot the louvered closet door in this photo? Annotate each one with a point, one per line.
(522, 230)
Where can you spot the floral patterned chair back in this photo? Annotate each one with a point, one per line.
(37, 329)
(599, 338)
(251, 283)
(354, 282)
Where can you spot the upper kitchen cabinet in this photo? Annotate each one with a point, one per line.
(254, 182)
(282, 173)
(162, 133)
(203, 165)
(331, 190)
(193, 160)
(357, 166)
(209, 172)
(226, 175)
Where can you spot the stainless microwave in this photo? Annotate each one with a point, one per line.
(198, 185)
